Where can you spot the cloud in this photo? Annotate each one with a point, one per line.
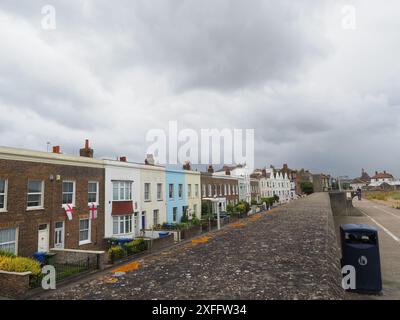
(318, 96)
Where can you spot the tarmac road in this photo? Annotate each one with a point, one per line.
(387, 221)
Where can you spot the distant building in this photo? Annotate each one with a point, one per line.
(361, 182)
(320, 182)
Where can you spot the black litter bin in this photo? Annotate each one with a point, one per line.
(360, 249)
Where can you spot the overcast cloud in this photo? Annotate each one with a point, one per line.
(319, 96)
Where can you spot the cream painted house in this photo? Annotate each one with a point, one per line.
(152, 199)
(193, 192)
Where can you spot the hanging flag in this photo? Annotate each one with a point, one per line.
(68, 210)
(93, 210)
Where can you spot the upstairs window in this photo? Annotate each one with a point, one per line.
(68, 192)
(171, 191)
(159, 191)
(35, 194)
(196, 190)
(3, 195)
(147, 196)
(122, 190)
(189, 192)
(180, 190)
(93, 192)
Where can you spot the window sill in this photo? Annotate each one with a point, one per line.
(95, 203)
(148, 200)
(35, 209)
(82, 243)
(3, 211)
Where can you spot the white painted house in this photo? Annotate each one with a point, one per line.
(274, 182)
(122, 199)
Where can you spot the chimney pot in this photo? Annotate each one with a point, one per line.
(210, 169)
(123, 159)
(56, 149)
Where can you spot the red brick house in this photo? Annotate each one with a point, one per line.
(35, 188)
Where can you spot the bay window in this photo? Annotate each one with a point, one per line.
(122, 224)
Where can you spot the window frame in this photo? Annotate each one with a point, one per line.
(4, 208)
(148, 197)
(89, 230)
(171, 194)
(15, 242)
(180, 191)
(125, 219)
(159, 192)
(41, 205)
(73, 192)
(125, 183)
(156, 217)
(97, 192)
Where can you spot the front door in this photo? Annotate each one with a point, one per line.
(43, 238)
(143, 220)
(59, 235)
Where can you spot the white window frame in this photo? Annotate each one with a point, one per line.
(180, 190)
(125, 221)
(15, 241)
(40, 206)
(159, 194)
(147, 195)
(196, 190)
(73, 192)
(156, 213)
(97, 191)
(189, 192)
(4, 209)
(171, 196)
(87, 241)
(126, 185)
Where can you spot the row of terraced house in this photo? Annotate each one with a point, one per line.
(54, 200)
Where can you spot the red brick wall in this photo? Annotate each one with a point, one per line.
(19, 172)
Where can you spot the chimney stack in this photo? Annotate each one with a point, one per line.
(187, 166)
(384, 171)
(123, 159)
(56, 149)
(227, 170)
(210, 169)
(149, 159)
(285, 167)
(86, 151)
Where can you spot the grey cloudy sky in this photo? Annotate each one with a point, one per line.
(318, 95)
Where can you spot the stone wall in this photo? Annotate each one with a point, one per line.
(14, 284)
(160, 243)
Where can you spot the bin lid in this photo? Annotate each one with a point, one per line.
(352, 227)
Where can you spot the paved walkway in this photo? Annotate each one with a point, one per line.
(387, 221)
(278, 255)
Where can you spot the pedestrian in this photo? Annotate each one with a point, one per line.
(359, 193)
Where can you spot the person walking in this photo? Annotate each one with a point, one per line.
(359, 193)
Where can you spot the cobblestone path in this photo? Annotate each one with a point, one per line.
(277, 255)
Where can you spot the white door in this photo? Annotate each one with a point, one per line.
(59, 235)
(43, 238)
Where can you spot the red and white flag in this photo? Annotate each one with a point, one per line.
(93, 210)
(68, 210)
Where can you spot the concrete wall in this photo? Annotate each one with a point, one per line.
(342, 204)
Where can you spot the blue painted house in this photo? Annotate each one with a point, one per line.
(175, 195)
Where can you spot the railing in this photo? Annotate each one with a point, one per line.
(64, 271)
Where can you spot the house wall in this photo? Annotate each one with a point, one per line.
(122, 171)
(153, 175)
(175, 177)
(193, 178)
(19, 166)
(231, 197)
